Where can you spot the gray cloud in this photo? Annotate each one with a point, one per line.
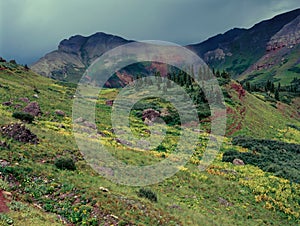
(30, 28)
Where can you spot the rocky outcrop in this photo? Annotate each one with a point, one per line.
(288, 36)
(19, 133)
(59, 112)
(278, 48)
(238, 162)
(33, 108)
(75, 54)
(150, 114)
(217, 54)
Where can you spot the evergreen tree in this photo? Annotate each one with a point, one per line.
(277, 94)
(272, 87)
(248, 86)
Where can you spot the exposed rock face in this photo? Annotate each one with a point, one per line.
(217, 54)
(288, 36)
(75, 54)
(278, 48)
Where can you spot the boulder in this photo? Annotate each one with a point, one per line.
(103, 189)
(7, 103)
(19, 133)
(150, 114)
(238, 162)
(33, 108)
(4, 163)
(109, 102)
(89, 125)
(60, 112)
(124, 142)
(224, 202)
(79, 120)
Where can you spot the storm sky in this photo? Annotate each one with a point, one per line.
(31, 28)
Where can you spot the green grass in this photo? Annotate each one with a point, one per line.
(283, 71)
(190, 197)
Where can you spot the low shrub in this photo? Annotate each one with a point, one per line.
(272, 156)
(23, 116)
(148, 194)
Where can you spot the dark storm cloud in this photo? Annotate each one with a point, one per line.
(30, 28)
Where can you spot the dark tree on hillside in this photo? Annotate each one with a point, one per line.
(248, 86)
(269, 86)
(225, 75)
(272, 88)
(277, 94)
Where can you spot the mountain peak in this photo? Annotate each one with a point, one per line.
(75, 54)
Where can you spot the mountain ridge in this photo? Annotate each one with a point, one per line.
(237, 51)
(244, 47)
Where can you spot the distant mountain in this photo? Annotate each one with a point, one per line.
(238, 49)
(281, 61)
(254, 54)
(75, 54)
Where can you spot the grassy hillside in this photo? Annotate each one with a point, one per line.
(43, 191)
(282, 66)
(258, 116)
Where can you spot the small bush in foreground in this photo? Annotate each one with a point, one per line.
(65, 164)
(23, 116)
(148, 194)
